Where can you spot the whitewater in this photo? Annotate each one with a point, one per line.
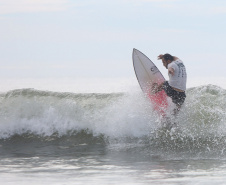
(54, 137)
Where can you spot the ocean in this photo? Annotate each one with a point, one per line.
(63, 138)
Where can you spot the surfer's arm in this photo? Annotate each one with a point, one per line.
(175, 58)
(171, 71)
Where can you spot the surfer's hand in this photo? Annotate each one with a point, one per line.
(160, 57)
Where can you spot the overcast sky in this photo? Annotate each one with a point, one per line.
(95, 38)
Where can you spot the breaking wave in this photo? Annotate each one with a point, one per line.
(116, 120)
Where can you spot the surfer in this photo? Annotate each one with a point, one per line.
(176, 86)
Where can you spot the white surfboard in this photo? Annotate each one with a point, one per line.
(147, 73)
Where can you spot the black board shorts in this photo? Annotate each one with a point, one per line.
(177, 97)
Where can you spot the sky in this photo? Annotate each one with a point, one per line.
(83, 39)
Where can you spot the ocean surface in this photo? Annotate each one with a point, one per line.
(63, 138)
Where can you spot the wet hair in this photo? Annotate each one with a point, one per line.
(168, 57)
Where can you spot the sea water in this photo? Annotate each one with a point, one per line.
(69, 137)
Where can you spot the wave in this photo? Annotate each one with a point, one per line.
(45, 113)
(115, 118)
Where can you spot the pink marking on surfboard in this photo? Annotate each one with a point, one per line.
(159, 101)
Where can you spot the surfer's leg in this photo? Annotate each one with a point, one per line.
(178, 99)
(176, 110)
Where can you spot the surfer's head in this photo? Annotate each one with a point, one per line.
(166, 59)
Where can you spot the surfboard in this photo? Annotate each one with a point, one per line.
(147, 74)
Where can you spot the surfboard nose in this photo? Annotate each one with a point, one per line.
(135, 51)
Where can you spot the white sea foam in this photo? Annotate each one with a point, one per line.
(113, 114)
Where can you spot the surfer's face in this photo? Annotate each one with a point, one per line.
(165, 63)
